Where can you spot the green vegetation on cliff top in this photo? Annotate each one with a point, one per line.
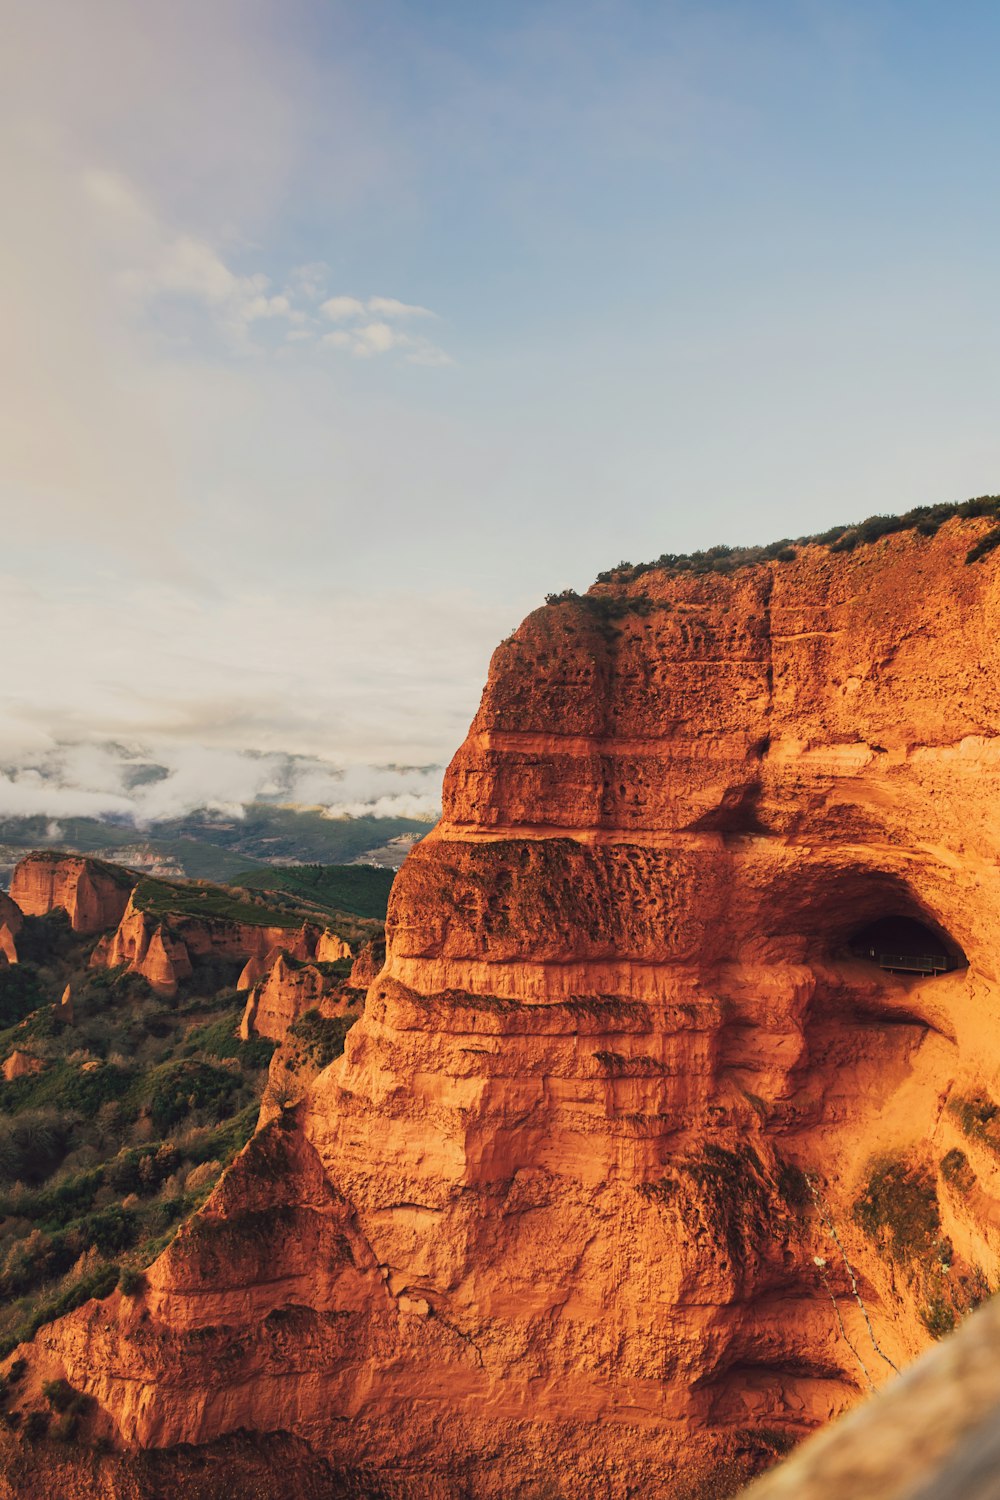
(923, 519)
(362, 890)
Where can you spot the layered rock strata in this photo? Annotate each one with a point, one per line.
(632, 1163)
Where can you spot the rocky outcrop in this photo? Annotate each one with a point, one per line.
(331, 949)
(20, 1064)
(627, 1121)
(92, 893)
(369, 963)
(289, 990)
(144, 945)
(166, 949)
(11, 922)
(309, 942)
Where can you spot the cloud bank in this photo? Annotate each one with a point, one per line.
(314, 702)
(145, 786)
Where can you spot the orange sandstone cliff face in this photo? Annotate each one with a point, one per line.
(574, 1212)
(286, 993)
(94, 895)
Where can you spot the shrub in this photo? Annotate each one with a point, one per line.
(922, 519)
(938, 1318)
(977, 1115)
(985, 544)
(36, 1426)
(900, 1201)
(33, 1144)
(20, 993)
(58, 1393)
(175, 1088)
(67, 1089)
(202, 1176)
(131, 1282)
(99, 1283)
(956, 1171)
(322, 1037)
(220, 1039)
(65, 1428)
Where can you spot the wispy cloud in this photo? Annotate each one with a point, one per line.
(339, 308)
(390, 307)
(371, 329)
(166, 273)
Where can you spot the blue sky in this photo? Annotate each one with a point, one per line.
(347, 331)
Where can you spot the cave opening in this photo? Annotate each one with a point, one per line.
(902, 944)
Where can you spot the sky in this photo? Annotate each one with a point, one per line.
(336, 335)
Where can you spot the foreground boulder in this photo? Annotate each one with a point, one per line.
(934, 1434)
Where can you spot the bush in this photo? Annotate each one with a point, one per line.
(131, 1282)
(67, 1089)
(36, 1426)
(220, 1039)
(20, 994)
(938, 1318)
(65, 1428)
(322, 1037)
(174, 1089)
(985, 544)
(922, 519)
(900, 1201)
(33, 1144)
(956, 1171)
(59, 1394)
(99, 1283)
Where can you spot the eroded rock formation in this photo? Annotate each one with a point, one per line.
(144, 945)
(164, 948)
(92, 893)
(20, 1064)
(582, 1208)
(11, 922)
(288, 991)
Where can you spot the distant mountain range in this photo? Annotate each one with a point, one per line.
(205, 846)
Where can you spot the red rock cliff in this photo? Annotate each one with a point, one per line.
(625, 1114)
(11, 922)
(93, 894)
(164, 948)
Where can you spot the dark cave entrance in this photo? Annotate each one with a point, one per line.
(903, 945)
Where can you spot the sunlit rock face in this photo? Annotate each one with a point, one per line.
(94, 895)
(575, 1211)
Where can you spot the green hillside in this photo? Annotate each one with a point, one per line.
(361, 889)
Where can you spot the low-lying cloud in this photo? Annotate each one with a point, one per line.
(144, 785)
